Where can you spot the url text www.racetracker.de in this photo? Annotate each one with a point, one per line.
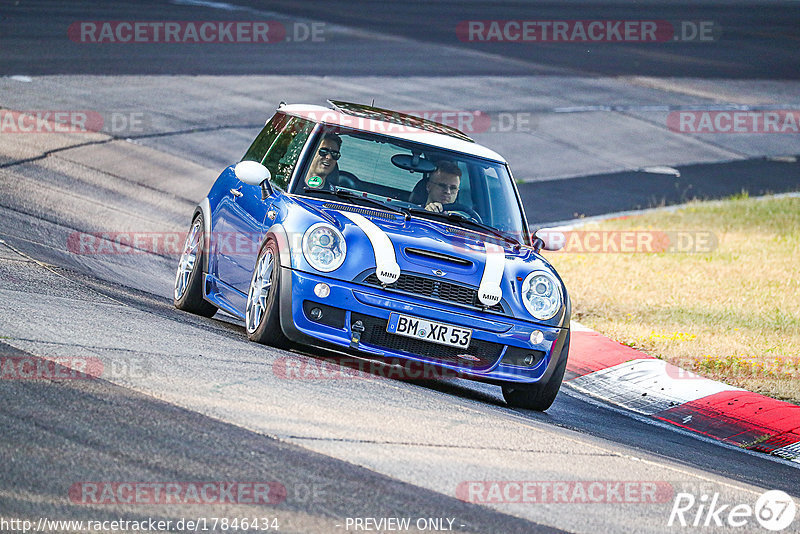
(195, 524)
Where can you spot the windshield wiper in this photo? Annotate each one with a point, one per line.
(347, 195)
(456, 217)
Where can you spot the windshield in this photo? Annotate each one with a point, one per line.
(413, 177)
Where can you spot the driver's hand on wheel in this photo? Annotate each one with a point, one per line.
(434, 206)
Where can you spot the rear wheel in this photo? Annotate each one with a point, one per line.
(262, 314)
(539, 396)
(188, 293)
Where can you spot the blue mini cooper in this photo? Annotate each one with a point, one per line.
(385, 236)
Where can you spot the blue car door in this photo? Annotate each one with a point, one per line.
(238, 233)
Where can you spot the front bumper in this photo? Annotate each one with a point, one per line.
(354, 318)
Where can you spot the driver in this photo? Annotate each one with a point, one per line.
(324, 167)
(443, 185)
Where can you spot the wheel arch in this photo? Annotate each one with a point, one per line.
(204, 209)
(279, 234)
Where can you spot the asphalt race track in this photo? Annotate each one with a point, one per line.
(184, 399)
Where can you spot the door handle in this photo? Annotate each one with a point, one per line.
(236, 192)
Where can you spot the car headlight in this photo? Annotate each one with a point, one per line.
(324, 247)
(541, 295)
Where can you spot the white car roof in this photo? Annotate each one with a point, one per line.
(400, 131)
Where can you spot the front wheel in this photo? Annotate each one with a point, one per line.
(538, 396)
(262, 314)
(188, 293)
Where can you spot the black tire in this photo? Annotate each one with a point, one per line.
(538, 396)
(266, 328)
(191, 298)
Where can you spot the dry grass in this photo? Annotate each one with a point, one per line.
(732, 314)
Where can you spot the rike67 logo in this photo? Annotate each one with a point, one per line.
(774, 510)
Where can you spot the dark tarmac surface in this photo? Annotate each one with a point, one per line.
(206, 404)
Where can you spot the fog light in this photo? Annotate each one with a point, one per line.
(536, 337)
(322, 290)
(530, 359)
(316, 314)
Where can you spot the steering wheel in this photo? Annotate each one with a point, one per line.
(347, 179)
(462, 209)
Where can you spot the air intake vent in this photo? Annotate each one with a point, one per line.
(438, 256)
(363, 211)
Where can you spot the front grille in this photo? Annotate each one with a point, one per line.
(435, 289)
(375, 334)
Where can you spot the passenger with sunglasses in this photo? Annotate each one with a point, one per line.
(324, 167)
(443, 185)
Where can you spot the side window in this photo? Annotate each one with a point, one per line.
(259, 148)
(285, 149)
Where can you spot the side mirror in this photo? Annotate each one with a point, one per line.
(548, 239)
(254, 173)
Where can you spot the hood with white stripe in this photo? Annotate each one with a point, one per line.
(389, 245)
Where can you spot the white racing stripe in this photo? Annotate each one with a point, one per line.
(489, 292)
(387, 270)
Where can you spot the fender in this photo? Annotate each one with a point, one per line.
(204, 208)
(278, 233)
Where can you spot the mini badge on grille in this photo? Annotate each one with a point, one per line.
(439, 272)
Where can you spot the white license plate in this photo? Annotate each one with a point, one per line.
(444, 334)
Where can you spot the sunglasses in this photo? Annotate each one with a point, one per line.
(446, 187)
(335, 154)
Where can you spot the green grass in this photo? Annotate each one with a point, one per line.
(731, 313)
